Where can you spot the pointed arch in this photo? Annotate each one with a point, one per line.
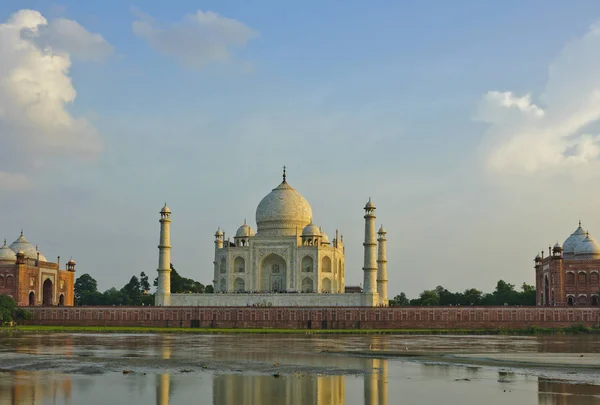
(273, 272)
(47, 289)
(326, 264)
(239, 265)
(223, 265)
(307, 285)
(223, 285)
(307, 264)
(31, 299)
(239, 285)
(326, 285)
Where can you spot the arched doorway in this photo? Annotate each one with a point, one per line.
(570, 301)
(273, 273)
(326, 285)
(239, 285)
(61, 300)
(47, 292)
(307, 285)
(595, 301)
(31, 299)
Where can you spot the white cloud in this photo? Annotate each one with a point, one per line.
(197, 40)
(69, 36)
(524, 137)
(35, 89)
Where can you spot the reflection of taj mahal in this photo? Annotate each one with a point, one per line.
(289, 261)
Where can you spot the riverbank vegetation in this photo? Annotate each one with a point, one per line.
(572, 330)
(9, 312)
(504, 294)
(135, 292)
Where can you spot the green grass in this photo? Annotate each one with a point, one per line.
(575, 329)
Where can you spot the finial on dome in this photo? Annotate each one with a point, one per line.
(21, 231)
(245, 221)
(4, 241)
(580, 223)
(284, 174)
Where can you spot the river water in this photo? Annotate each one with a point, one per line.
(237, 369)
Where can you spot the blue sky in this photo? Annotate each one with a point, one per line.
(452, 116)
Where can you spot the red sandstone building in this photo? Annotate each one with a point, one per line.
(569, 275)
(30, 279)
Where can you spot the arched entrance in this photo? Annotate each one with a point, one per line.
(31, 299)
(595, 300)
(326, 285)
(239, 285)
(273, 273)
(570, 301)
(307, 285)
(47, 292)
(61, 300)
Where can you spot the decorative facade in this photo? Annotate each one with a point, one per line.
(288, 261)
(569, 275)
(30, 279)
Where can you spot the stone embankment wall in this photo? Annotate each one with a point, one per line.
(319, 318)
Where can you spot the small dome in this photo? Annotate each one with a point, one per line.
(165, 210)
(382, 230)
(22, 244)
(588, 246)
(72, 262)
(557, 246)
(324, 237)
(219, 232)
(6, 254)
(574, 239)
(538, 257)
(244, 231)
(311, 230)
(370, 204)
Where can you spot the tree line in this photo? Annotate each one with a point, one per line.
(135, 292)
(504, 294)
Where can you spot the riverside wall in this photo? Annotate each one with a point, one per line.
(320, 318)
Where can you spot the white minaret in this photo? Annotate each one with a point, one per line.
(163, 293)
(382, 267)
(370, 267)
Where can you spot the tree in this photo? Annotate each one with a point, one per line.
(133, 290)
(429, 298)
(209, 289)
(399, 300)
(85, 286)
(528, 294)
(472, 296)
(145, 285)
(10, 312)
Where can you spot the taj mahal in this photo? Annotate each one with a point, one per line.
(288, 261)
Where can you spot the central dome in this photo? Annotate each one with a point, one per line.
(282, 212)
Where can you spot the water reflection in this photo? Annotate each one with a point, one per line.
(32, 388)
(552, 392)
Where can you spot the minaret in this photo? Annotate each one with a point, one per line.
(370, 244)
(382, 267)
(163, 293)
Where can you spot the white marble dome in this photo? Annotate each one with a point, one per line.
(282, 211)
(311, 230)
(588, 246)
(244, 231)
(324, 237)
(6, 253)
(573, 240)
(22, 244)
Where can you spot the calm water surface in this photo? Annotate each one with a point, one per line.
(269, 369)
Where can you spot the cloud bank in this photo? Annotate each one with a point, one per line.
(199, 39)
(557, 133)
(35, 89)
